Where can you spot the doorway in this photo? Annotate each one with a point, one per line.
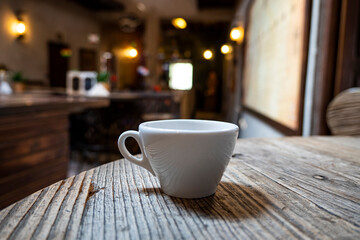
(59, 54)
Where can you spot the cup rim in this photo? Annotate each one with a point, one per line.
(226, 127)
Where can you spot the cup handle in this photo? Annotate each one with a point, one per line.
(143, 161)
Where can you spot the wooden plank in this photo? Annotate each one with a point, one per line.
(35, 122)
(42, 126)
(321, 146)
(122, 225)
(20, 118)
(21, 192)
(42, 170)
(4, 213)
(109, 204)
(98, 217)
(16, 135)
(170, 226)
(324, 157)
(30, 221)
(85, 228)
(48, 219)
(16, 213)
(16, 187)
(336, 194)
(346, 141)
(289, 207)
(15, 165)
(28, 146)
(77, 212)
(267, 192)
(64, 212)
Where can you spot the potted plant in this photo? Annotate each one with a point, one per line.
(103, 78)
(18, 81)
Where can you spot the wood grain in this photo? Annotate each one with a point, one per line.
(286, 188)
(343, 113)
(34, 141)
(33, 153)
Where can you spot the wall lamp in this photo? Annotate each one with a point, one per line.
(237, 34)
(131, 52)
(19, 26)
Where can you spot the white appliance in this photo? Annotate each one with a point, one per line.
(80, 82)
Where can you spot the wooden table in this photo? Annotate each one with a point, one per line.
(304, 188)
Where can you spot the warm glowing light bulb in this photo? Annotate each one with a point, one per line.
(20, 28)
(179, 23)
(208, 54)
(237, 34)
(225, 49)
(130, 52)
(133, 53)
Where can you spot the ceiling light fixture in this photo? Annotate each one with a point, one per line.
(208, 54)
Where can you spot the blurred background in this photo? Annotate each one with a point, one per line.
(75, 74)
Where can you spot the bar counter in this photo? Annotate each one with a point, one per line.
(34, 140)
(25, 103)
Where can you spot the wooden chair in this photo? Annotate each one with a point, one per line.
(343, 113)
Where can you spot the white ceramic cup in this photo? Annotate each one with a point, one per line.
(188, 157)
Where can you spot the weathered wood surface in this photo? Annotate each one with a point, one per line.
(287, 188)
(343, 113)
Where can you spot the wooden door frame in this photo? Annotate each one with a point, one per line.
(325, 70)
